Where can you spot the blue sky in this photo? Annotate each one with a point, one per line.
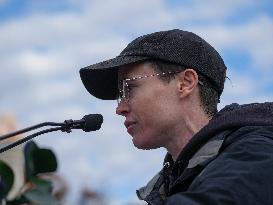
(43, 44)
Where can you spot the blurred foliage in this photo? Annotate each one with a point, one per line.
(36, 190)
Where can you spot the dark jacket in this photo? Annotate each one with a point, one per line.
(228, 162)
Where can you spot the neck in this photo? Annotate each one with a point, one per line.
(191, 124)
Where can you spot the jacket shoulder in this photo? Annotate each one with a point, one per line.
(240, 174)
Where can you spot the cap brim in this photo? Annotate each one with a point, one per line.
(101, 79)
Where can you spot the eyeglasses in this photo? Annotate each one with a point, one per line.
(124, 88)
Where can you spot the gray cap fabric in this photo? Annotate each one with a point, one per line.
(174, 46)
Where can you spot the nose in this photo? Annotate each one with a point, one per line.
(122, 108)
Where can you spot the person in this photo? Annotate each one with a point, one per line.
(168, 85)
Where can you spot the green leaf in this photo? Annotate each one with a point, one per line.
(44, 161)
(29, 149)
(6, 179)
(38, 160)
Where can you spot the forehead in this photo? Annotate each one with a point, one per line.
(130, 71)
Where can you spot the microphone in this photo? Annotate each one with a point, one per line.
(91, 122)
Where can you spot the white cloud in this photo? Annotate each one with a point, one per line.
(42, 52)
(238, 88)
(35, 63)
(254, 38)
(244, 88)
(210, 10)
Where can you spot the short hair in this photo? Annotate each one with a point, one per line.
(208, 95)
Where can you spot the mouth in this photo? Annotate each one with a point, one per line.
(129, 126)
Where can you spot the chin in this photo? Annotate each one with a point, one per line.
(144, 144)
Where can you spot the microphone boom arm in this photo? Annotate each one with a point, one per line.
(88, 123)
(25, 139)
(12, 134)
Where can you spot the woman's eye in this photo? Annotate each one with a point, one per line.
(131, 87)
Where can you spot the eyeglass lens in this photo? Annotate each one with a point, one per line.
(123, 91)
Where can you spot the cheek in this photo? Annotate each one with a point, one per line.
(154, 123)
(155, 107)
(151, 107)
(159, 116)
(152, 117)
(145, 109)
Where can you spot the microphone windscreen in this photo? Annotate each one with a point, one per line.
(92, 122)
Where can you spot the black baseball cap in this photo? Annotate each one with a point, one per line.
(173, 46)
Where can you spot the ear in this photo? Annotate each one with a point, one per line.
(187, 82)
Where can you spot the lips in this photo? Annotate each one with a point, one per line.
(129, 126)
